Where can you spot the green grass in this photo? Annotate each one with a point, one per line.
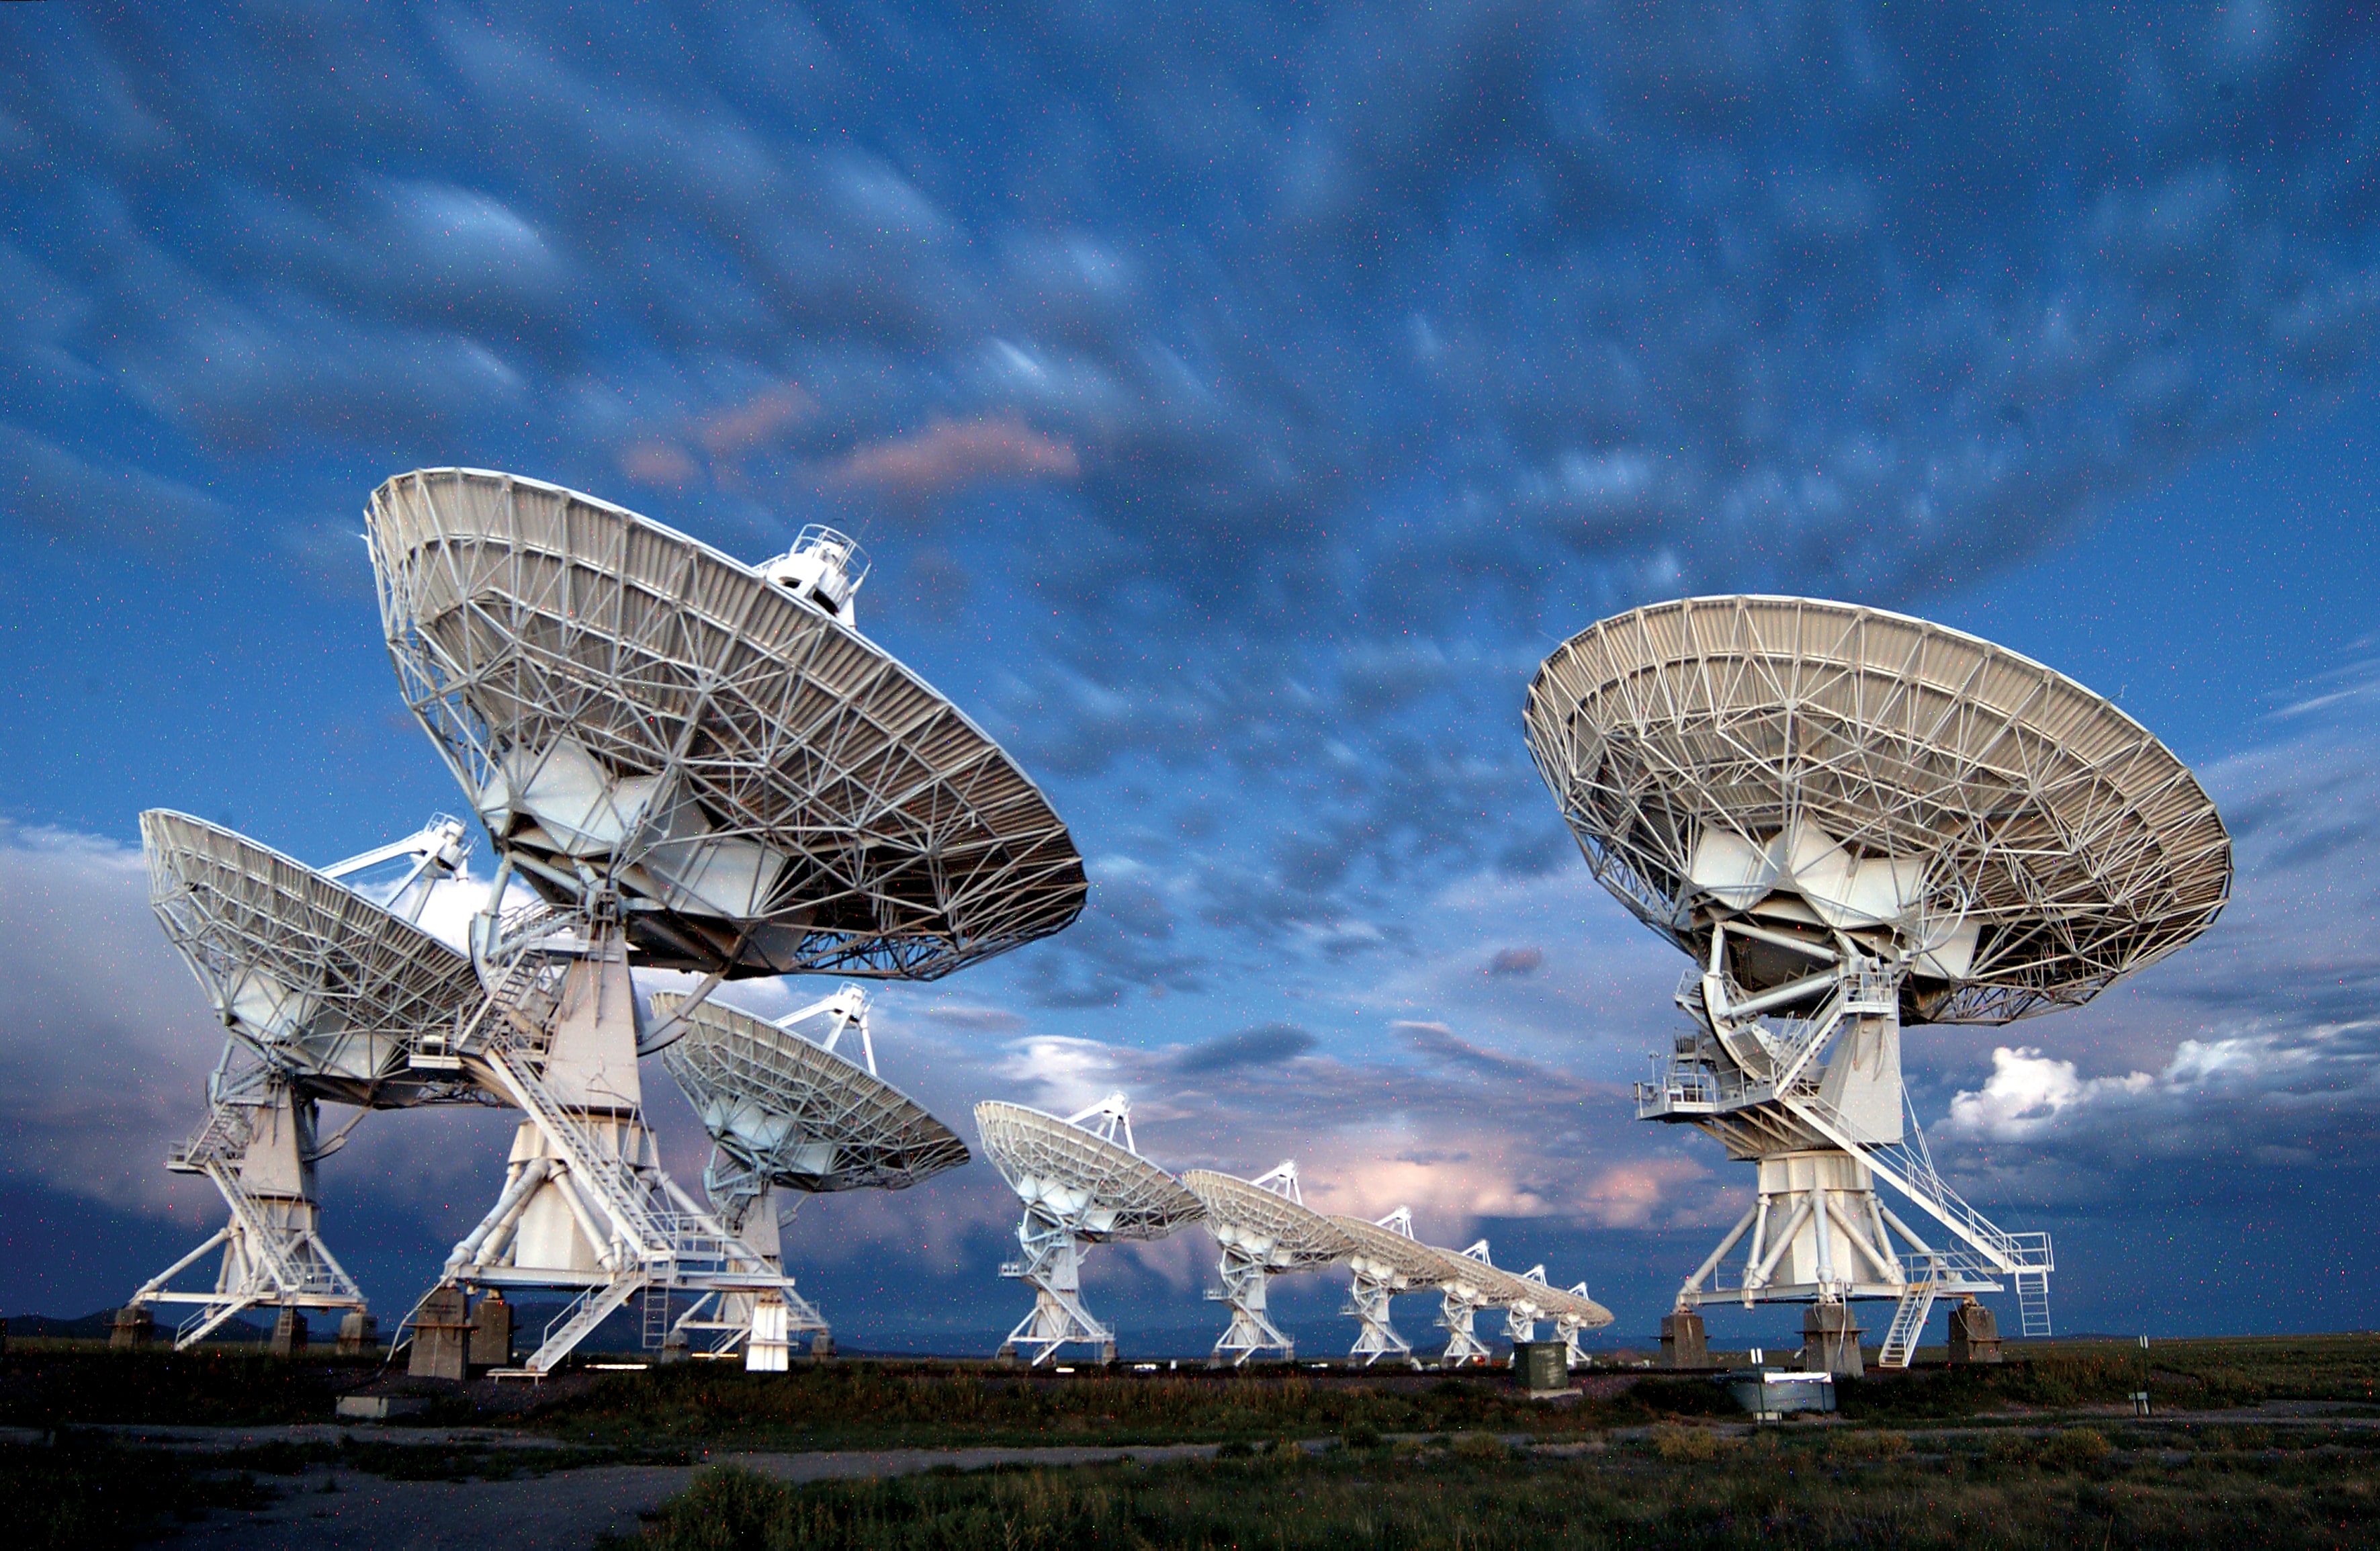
(87, 1494)
(210, 1385)
(841, 1405)
(1816, 1489)
(2181, 1376)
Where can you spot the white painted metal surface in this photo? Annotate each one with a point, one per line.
(789, 1117)
(1383, 1260)
(1081, 1186)
(1855, 822)
(1263, 1228)
(325, 987)
(696, 765)
(765, 790)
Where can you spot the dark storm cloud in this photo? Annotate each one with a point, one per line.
(1265, 1045)
(1273, 351)
(1517, 961)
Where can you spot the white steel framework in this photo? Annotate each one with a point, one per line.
(1852, 822)
(702, 764)
(258, 1146)
(586, 1206)
(789, 1115)
(324, 983)
(1263, 1228)
(1081, 1186)
(765, 790)
(1473, 1283)
(1384, 1259)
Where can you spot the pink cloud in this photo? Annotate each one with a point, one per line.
(949, 455)
(757, 421)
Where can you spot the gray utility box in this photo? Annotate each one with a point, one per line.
(1543, 1367)
(1770, 1393)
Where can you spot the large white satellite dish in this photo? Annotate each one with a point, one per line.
(1263, 1230)
(326, 986)
(787, 1113)
(1080, 1187)
(1854, 821)
(760, 786)
(1384, 1259)
(699, 765)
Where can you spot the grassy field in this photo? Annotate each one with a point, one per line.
(2043, 1448)
(851, 1403)
(1673, 1485)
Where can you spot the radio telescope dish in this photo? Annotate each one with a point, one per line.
(785, 1112)
(799, 1114)
(1854, 821)
(323, 984)
(1080, 1187)
(1385, 1260)
(1264, 1229)
(325, 992)
(699, 765)
(765, 790)
(2018, 839)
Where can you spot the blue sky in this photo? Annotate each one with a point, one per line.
(1239, 402)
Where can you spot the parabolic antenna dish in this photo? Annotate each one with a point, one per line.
(1101, 1190)
(1483, 1283)
(1269, 1229)
(1388, 1256)
(766, 791)
(1837, 769)
(326, 986)
(800, 1115)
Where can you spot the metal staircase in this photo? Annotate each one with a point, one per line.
(577, 1322)
(1908, 1325)
(267, 1259)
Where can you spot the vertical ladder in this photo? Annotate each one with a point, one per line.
(656, 1312)
(2033, 1302)
(1907, 1324)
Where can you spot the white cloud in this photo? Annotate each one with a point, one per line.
(2028, 1092)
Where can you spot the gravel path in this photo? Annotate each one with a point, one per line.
(567, 1508)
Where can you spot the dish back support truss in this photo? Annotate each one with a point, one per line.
(701, 763)
(1081, 1186)
(322, 989)
(1263, 1228)
(762, 790)
(790, 1117)
(1855, 820)
(1384, 1259)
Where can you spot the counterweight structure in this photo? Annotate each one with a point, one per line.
(1082, 1182)
(323, 981)
(1264, 1229)
(696, 765)
(1852, 823)
(790, 1117)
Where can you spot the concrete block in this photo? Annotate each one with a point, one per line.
(131, 1328)
(1683, 1343)
(1830, 1336)
(441, 1335)
(491, 1333)
(1975, 1334)
(288, 1334)
(379, 1408)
